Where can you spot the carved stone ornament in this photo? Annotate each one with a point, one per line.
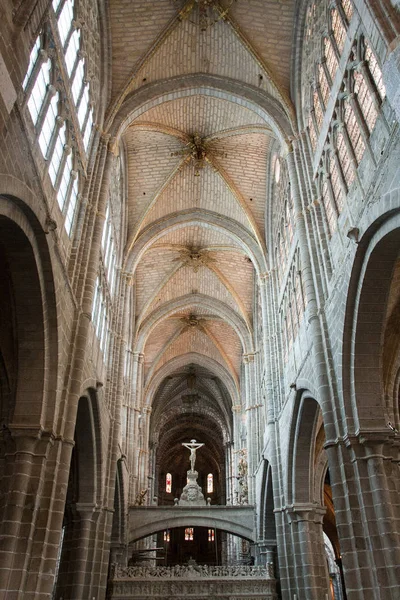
(194, 258)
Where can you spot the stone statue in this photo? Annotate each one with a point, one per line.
(192, 446)
(139, 501)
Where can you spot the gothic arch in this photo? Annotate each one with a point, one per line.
(229, 227)
(266, 518)
(365, 321)
(192, 357)
(211, 85)
(300, 457)
(27, 256)
(217, 306)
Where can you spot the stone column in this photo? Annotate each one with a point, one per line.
(25, 461)
(308, 553)
(267, 556)
(230, 487)
(251, 408)
(368, 513)
(135, 414)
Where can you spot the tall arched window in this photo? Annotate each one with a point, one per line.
(293, 305)
(374, 69)
(354, 132)
(347, 6)
(189, 534)
(40, 90)
(71, 39)
(323, 85)
(330, 57)
(100, 314)
(210, 483)
(365, 100)
(345, 161)
(319, 115)
(168, 483)
(338, 29)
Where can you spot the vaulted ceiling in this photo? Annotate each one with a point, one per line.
(191, 86)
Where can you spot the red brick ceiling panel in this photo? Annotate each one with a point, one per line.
(186, 281)
(217, 51)
(202, 114)
(229, 340)
(149, 165)
(246, 164)
(193, 340)
(158, 338)
(135, 25)
(207, 190)
(268, 25)
(151, 272)
(240, 273)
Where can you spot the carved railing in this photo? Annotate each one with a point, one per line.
(190, 572)
(194, 582)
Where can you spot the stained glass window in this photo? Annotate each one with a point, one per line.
(168, 483)
(211, 535)
(167, 537)
(210, 483)
(189, 534)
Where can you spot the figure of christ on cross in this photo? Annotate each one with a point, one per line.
(192, 446)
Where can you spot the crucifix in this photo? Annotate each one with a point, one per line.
(192, 446)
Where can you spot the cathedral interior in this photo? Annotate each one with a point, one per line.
(199, 299)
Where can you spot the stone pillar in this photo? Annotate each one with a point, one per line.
(25, 461)
(308, 553)
(251, 408)
(267, 556)
(135, 417)
(368, 513)
(230, 487)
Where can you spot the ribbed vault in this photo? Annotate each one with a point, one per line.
(200, 106)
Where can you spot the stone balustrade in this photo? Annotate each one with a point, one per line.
(194, 582)
(180, 571)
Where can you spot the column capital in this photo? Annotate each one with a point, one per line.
(265, 276)
(249, 358)
(138, 357)
(306, 511)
